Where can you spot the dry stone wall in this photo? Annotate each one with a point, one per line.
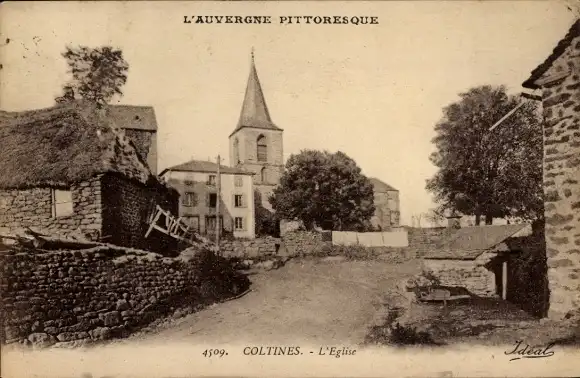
(73, 298)
(561, 106)
(21, 208)
(470, 274)
(259, 248)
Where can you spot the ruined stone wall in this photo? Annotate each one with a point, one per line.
(561, 106)
(127, 207)
(470, 274)
(262, 247)
(297, 243)
(21, 208)
(81, 296)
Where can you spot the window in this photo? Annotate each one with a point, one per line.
(239, 223)
(212, 200)
(236, 151)
(238, 200)
(192, 221)
(262, 151)
(239, 181)
(210, 223)
(189, 199)
(211, 180)
(62, 203)
(263, 175)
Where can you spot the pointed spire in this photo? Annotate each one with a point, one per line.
(254, 109)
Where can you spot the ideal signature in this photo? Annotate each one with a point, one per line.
(523, 350)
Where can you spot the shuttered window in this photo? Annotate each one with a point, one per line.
(62, 203)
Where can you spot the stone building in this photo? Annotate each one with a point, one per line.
(196, 182)
(558, 78)
(480, 259)
(386, 199)
(256, 142)
(69, 170)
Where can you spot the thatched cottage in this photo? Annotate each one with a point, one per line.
(71, 169)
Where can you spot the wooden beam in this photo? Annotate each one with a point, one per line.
(507, 116)
(504, 271)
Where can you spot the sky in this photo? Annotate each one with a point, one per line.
(374, 92)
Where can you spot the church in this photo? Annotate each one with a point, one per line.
(256, 143)
(256, 158)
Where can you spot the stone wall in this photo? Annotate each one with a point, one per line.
(425, 239)
(21, 208)
(259, 248)
(127, 206)
(298, 243)
(561, 107)
(76, 297)
(469, 274)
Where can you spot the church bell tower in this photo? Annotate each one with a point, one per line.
(256, 142)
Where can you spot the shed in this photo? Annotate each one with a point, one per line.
(477, 258)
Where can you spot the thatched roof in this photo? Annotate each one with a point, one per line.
(64, 144)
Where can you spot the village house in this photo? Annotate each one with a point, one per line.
(558, 79)
(70, 170)
(386, 200)
(196, 182)
(480, 259)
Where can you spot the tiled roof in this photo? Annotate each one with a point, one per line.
(558, 50)
(205, 166)
(470, 242)
(254, 109)
(380, 186)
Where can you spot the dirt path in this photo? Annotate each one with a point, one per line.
(305, 301)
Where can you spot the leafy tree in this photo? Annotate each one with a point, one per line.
(495, 173)
(98, 74)
(326, 189)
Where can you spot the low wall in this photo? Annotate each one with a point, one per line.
(255, 248)
(423, 240)
(469, 274)
(76, 297)
(298, 243)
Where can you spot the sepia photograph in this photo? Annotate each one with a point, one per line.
(289, 188)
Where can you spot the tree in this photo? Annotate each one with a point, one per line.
(495, 173)
(326, 189)
(98, 74)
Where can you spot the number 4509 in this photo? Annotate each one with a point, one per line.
(214, 352)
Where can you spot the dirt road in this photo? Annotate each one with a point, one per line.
(309, 301)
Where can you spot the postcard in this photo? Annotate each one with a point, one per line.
(289, 188)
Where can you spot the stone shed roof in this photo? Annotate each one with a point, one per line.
(558, 50)
(470, 242)
(381, 186)
(64, 144)
(206, 167)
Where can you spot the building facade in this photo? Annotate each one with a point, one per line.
(387, 209)
(256, 143)
(558, 78)
(196, 182)
(67, 171)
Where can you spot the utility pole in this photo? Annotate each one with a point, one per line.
(217, 206)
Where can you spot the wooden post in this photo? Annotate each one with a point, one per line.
(504, 273)
(217, 206)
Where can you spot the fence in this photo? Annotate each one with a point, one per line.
(371, 239)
